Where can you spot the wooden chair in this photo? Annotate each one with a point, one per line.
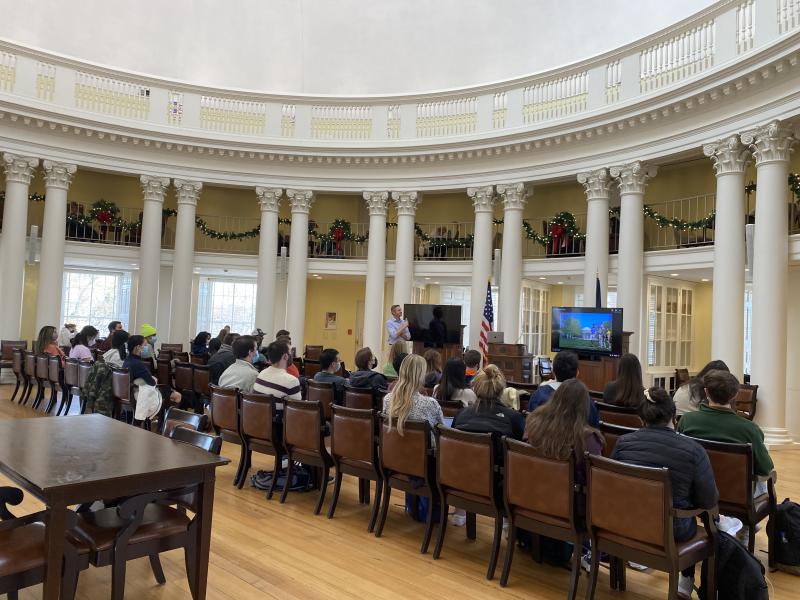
(612, 433)
(304, 441)
(468, 477)
(226, 423)
(172, 347)
(181, 356)
(201, 380)
(198, 359)
(262, 431)
(312, 353)
(735, 475)
(42, 403)
(183, 377)
(354, 449)
(122, 394)
(311, 368)
(83, 372)
(361, 398)
(619, 415)
(746, 401)
(29, 367)
(407, 460)
(7, 348)
(209, 443)
(541, 497)
(164, 371)
(324, 393)
(23, 559)
(72, 382)
(629, 515)
(55, 376)
(18, 367)
(175, 417)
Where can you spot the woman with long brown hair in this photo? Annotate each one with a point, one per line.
(405, 400)
(628, 388)
(433, 360)
(46, 342)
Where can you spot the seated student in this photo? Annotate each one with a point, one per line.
(488, 414)
(82, 342)
(222, 359)
(291, 368)
(398, 360)
(365, 377)
(691, 394)
(46, 343)
(66, 334)
(395, 350)
(241, 374)
(565, 366)
(274, 380)
(405, 400)
(138, 369)
(434, 373)
(657, 444)
(150, 338)
(213, 347)
(200, 343)
(116, 356)
(329, 364)
(453, 385)
(627, 389)
(112, 327)
(472, 359)
(717, 420)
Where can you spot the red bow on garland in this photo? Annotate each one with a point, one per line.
(104, 216)
(338, 236)
(557, 233)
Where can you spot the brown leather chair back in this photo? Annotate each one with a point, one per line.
(408, 453)
(183, 376)
(54, 369)
(259, 417)
(30, 364)
(198, 359)
(313, 353)
(619, 415)
(311, 368)
(120, 384)
(209, 443)
(7, 348)
(612, 433)
(302, 425)
(181, 356)
(224, 409)
(353, 433)
(83, 372)
(18, 361)
(71, 372)
(355, 397)
(42, 368)
(630, 502)
(746, 400)
(465, 461)
(175, 418)
(164, 371)
(201, 379)
(172, 347)
(543, 486)
(322, 392)
(733, 471)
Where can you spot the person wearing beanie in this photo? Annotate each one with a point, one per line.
(149, 333)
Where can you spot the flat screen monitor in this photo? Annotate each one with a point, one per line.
(434, 324)
(587, 331)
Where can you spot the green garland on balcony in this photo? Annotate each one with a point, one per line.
(444, 242)
(562, 227)
(339, 231)
(706, 222)
(31, 197)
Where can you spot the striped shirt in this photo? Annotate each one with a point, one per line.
(273, 381)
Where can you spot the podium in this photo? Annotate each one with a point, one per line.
(595, 374)
(512, 360)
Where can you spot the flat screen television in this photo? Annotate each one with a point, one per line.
(434, 330)
(590, 332)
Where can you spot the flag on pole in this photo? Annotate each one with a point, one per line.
(486, 324)
(598, 300)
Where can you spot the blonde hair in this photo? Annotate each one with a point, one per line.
(488, 386)
(401, 399)
(396, 350)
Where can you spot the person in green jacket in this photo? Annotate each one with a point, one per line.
(719, 422)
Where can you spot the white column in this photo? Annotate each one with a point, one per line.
(483, 202)
(597, 185)
(513, 196)
(377, 203)
(730, 159)
(770, 145)
(153, 190)
(406, 204)
(19, 172)
(269, 199)
(57, 179)
(300, 201)
(632, 180)
(187, 193)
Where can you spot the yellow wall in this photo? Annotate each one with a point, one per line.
(341, 297)
(30, 291)
(701, 350)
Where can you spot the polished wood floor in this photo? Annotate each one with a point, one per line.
(262, 549)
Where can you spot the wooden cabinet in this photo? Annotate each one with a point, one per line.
(511, 359)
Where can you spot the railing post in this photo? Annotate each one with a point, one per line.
(631, 76)
(725, 40)
(64, 92)
(273, 128)
(191, 111)
(25, 79)
(766, 22)
(408, 120)
(485, 112)
(597, 87)
(514, 112)
(380, 120)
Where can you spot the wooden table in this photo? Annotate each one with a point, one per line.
(70, 460)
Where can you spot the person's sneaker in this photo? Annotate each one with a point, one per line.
(459, 520)
(685, 587)
(586, 561)
(730, 525)
(637, 566)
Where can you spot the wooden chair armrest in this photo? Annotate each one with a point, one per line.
(37, 517)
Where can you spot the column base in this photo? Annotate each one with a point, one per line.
(775, 437)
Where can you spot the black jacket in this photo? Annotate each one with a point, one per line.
(497, 418)
(690, 471)
(370, 379)
(217, 364)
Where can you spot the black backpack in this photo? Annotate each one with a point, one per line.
(787, 536)
(740, 575)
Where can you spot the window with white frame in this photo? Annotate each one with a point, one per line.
(95, 298)
(748, 326)
(226, 302)
(670, 324)
(535, 320)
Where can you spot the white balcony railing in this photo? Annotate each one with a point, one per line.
(788, 15)
(692, 209)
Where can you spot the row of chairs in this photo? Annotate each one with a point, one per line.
(44, 372)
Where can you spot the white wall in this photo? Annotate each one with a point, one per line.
(793, 355)
(337, 46)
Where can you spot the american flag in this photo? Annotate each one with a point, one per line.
(486, 324)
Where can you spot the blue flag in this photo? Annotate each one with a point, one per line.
(598, 300)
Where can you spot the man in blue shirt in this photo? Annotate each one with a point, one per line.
(397, 327)
(565, 366)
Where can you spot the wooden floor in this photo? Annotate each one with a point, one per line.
(262, 549)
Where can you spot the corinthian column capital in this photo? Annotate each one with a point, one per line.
(19, 169)
(187, 192)
(406, 202)
(58, 175)
(377, 202)
(300, 201)
(633, 177)
(269, 198)
(597, 184)
(514, 195)
(772, 142)
(154, 188)
(482, 198)
(728, 155)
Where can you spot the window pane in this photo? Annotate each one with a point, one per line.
(95, 298)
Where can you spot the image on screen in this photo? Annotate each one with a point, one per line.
(585, 331)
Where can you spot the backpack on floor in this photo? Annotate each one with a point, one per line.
(787, 536)
(740, 575)
(301, 479)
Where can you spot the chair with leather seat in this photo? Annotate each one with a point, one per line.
(198, 359)
(629, 515)
(468, 477)
(226, 423)
(618, 415)
(23, 558)
(72, 384)
(84, 366)
(746, 401)
(164, 371)
(304, 441)
(201, 379)
(7, 348)
(541, 497)
(122, 394)
(310, 368)
(312, 353)
(174, 348)
(262, 431)
(41, 402)
(358, 397)
(324, 393)
(734, 473)
(175, 418)
(29, 368)
(55, 376)
(407, 464)
(209, 443)
(18, 368)
(183, 378)
(611, 433)
(354, 449)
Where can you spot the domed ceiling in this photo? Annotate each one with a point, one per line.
(340, 47)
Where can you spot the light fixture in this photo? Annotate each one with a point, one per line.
(747, 269)
(673, 274)
(542, 277)
(427, 279)
(704, 280)
(435, 283)
(560, 283)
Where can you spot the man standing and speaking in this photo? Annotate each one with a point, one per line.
(397, 327)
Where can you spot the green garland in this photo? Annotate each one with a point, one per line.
(706, 222)
(561, 227)
(339, 230)
(444, 242)
(31, 197)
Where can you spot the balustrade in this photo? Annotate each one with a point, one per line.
(555, 99)
(682, 56)
(694, 209)
(111, 96)
(788, 15)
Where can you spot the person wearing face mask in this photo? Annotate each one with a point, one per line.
(241, 374)
(365, 377)
(329, 364)
(82, 343)
(46, 342)
(274, 380)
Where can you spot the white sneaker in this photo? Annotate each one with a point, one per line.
(685, 586)
(459, 520)
(730, 525)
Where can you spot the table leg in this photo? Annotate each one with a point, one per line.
(55, 534)
(205, 507)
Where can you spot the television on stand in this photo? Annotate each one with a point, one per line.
(592, 333)
(434, 325)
